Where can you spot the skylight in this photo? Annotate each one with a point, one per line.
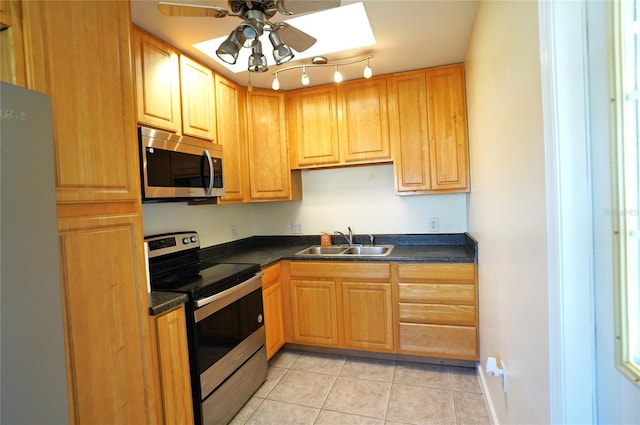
(338, 29)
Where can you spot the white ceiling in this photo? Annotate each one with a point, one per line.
(411, 34)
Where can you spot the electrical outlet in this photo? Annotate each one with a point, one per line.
(296, 228)
(434, 224)
(234, 232)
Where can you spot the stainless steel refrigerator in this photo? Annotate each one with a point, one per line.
(33, 387)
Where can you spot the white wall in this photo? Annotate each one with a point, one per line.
(507, 206)
(361, 197)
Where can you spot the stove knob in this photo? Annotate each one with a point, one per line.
(194, 239)
(185, 241)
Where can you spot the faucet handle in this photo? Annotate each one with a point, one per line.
(371, 238)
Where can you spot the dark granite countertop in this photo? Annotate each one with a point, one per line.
(160, 302)
(265, 250)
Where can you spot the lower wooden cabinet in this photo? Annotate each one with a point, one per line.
(170, 333)
(437, 310)
(273, 309)
(341, 304)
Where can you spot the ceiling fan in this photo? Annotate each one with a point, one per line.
(256, 15)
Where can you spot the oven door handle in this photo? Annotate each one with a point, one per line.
(209, 305)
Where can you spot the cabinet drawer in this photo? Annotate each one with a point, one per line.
(328, 269)
(271, 275)
(437, 292)
(438, 313)
(456, 272)
(456, 342)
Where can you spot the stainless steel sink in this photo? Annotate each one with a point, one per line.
(369, 250)
(346, 250)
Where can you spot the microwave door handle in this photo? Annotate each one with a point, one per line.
(207, 190)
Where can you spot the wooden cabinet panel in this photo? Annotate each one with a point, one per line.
(315, 312)
(198, 96)
(429, 130)
(272, 299)
(433, 272)
(313, 126)
(331, 269)
(438, 313)
(87, 71)
(105, 299)
(173, 359)
(12, 55)
(437, 309)
(157, 82)
(364, 120)
(448, 148)
(269, 173)
(367, 315)
(230, 118)
(439, 340)
(409, 132)
(440, 292)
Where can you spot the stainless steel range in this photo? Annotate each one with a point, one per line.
(225, 324)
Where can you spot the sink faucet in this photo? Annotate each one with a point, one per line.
(348, 238)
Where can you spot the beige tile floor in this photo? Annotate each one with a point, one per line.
(313, 388)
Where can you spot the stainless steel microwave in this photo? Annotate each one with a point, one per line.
(178, 167)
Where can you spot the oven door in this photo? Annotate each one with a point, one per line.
(229, 329)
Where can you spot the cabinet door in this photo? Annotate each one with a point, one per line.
(198, 109)
(157, 82)
(409, 132)
(230, 117)
(173, 362)
(80, 55)
(269, 173)
(448, 145)
(106, 318)
(273, 309)
(367, 315)
(315, 312)
(12, 58)
(364, 120)
(313, 126)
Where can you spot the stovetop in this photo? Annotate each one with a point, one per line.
(212, 279)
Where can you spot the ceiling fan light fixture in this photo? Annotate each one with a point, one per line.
(257, 61)
(281, 52)
(305, 77)
(230, 48)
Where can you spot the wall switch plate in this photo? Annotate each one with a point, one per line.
(234, 232)
(296, 228)
(434, 224)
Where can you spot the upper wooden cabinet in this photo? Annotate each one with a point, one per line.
(269, 173)
(312, 115)
(429, 130)
(363, 120)
(174, 92)
(12, 58)
(88, 75)
(336, 125)
(198, 96)
(231, 102)
(157, 82)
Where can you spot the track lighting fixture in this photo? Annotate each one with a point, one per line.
(322, 61)
(337, 75)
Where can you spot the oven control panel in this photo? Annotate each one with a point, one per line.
(169, 243)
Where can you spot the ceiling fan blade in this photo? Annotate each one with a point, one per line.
(192, 10)
(291, 7)
(296, 39)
